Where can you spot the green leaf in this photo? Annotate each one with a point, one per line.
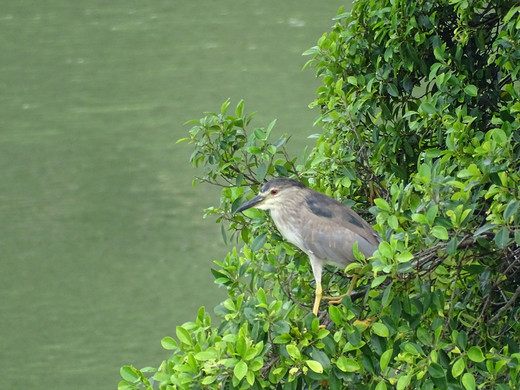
(421, 218)
(385, 358)
(321, 357)
(471, 90)
(250, 377)
(380, 329)
(451, 248)
(378, 280)
(428, 108)
(403, 382)
(223, 233)
(259, 242)
(468, 381)
(240, 370)
(438, 52)
(241, 346)
(312, 51)
(412, 348)
(352, 80)
(183, 335)
(225, 106)
(392, 90)
(386, 250)
(388, 295)
(254, 150)
(282, 339)
(381, 386)
(208, 354)
(347, 364)
(382, 204)
(510, 210)
(259, 134)
(424, 336)
(169, 343)
(281, 170)
(209, 380)
(262, 298)
(354, 337)
(256, 364)
(335, 314)
(462, 339)
(129, 373)
(239, 109)
(281, 327)
(393, 222)
(502, 237)
(436, 371)
(314, 366)
(440, 232)
(322, 333)
(475, 354)
(458, 367)
(261, 171)
(483, 229)
(515, 107)
(403, 257)
(279, 142)
(293, 352)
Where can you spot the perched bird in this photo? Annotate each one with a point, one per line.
(323, 228)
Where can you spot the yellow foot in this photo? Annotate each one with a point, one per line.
(335, 300)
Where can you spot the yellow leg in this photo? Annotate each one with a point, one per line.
(317, 299)
(337, 300)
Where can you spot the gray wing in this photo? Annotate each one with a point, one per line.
(335, 228)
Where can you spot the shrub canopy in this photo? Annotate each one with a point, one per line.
(420, 131)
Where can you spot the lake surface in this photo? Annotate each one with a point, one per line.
(103, 248)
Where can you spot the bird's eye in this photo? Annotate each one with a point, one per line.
(274, 192)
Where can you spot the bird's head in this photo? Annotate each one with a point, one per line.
(274, 194)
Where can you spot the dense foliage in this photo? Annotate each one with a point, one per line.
(420, 118)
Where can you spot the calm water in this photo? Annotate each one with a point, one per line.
(103, 249)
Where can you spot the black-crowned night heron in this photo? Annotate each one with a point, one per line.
(323, 228)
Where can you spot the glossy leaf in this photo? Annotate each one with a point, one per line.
(385, 359)
(471, 90)
(314, 366)
(440, 232)
(475, 354)
(347, 364)
(240, 370)
(380, 329)
(468, 381)
(293, 351)
(183, 335)
(169, 343)
(458, 367)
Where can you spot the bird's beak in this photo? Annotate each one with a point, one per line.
(250, 203)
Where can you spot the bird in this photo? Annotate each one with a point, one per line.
(322, 227)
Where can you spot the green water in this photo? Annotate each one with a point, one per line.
(103, 249)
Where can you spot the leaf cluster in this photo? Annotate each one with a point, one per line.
(420, 117)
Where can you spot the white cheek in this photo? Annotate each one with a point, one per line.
(263, 206)
(268, 204)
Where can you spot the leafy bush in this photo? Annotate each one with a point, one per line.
(420, 117)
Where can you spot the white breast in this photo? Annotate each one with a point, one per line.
(288, 229)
